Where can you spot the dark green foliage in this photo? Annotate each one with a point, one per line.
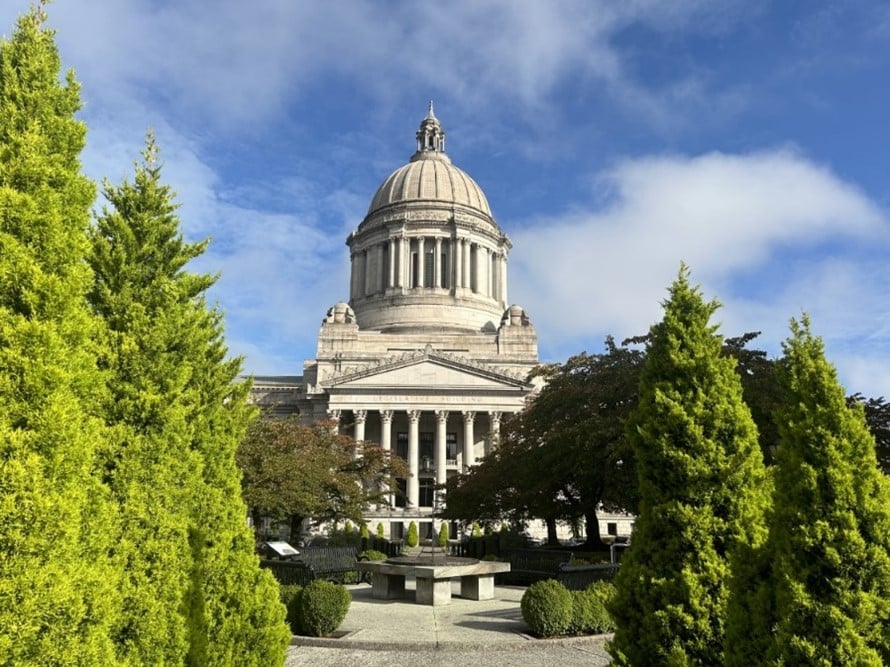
(830, 530)
(58, 588)
(372, 554)
(566, 454)
(701, 483)
(547, 608)
(589, 613)
(877, 416)
(323, 606)
(192, 586)
(292, 599)
(412, 538)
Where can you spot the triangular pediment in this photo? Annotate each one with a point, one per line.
(428, 370)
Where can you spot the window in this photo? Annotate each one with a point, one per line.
(402, 445)
(428, 268)
(426, 485)
(426, 446)
(443, 270)
(402, 492)
(451, 446)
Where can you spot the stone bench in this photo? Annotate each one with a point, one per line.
(433, 581)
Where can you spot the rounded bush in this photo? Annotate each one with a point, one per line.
(547, 608)
(292, 596)
(589, 613)
(412, 538)
(443, 535)
(323, 607)
(373, 554)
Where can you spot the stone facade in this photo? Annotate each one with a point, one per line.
(427, 357)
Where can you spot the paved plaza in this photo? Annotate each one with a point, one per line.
(400, 632)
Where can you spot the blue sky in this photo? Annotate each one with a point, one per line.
(613, 140)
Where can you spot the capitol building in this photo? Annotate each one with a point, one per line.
(427, 356)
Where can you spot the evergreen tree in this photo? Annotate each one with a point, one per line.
(57, 586)
(701, 479)
(830, 530)
(192, 586)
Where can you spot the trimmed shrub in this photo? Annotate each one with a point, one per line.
(547, 608)
(292, 597)
(373, 554)
(443, 535)
(380, 530)
(589, 614)
(475, 531)
(364, 532)
(412, 539)
(323, 606)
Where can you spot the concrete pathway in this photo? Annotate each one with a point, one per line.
(480, 633)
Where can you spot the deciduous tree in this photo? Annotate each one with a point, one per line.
(295, 471)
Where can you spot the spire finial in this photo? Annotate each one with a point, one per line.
(430, 138)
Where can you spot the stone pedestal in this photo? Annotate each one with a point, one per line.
(387, 586)
(431, 591)
(477, 587)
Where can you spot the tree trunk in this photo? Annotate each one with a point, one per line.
(552, 538)
(594, 539)
(296, 528)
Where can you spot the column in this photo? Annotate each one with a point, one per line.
(334, 416)
(380, 277)
(421, 254)
(456, 261)
(441, 453)
(386, 443)
(467, 254)
(353, 276)
(437, 263)
(469, 439)
(495, 420)
(503, 278)
(392, 263)
(404, 256)
(413, 446)
(370, 282)
(360, 417)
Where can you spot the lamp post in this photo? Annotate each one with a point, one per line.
(427, 466)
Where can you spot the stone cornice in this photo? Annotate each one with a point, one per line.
(430, 354)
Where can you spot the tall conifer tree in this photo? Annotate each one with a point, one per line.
(193, 590)
(57, 586)
(830, 529)
(701, 478)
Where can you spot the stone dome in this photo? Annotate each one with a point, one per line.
(430, 177)
(429, 180)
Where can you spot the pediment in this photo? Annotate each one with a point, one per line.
(427, 372)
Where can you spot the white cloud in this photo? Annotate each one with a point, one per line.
(737, 220)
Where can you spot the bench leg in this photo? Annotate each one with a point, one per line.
(477, 587)
(433, 592)
(387, 586)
